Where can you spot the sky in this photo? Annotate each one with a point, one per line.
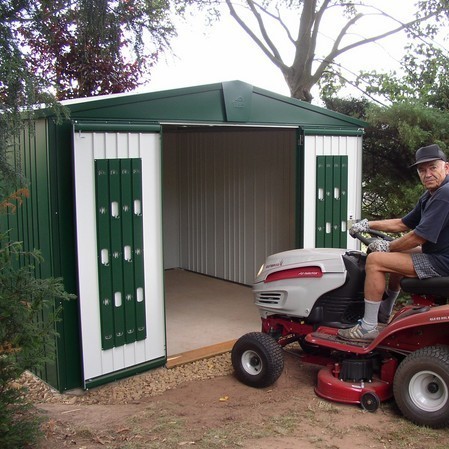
(223, 52)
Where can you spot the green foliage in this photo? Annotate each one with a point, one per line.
(424, 78)
(27, 335)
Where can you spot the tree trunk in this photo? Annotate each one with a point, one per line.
(300, 86)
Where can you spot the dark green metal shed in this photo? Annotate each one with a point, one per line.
(210, 178)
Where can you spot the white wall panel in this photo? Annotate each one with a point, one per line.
(331, 146)
(235, 197)
(100, 145)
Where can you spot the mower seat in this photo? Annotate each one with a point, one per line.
(437, 286)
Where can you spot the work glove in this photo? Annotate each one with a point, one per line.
(360, 226)
(379, 245)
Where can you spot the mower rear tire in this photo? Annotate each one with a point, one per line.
(257, 359)
(421, 386)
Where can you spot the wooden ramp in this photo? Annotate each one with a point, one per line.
(199, 354)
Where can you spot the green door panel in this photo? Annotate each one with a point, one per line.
(120, 251)
(331, 201)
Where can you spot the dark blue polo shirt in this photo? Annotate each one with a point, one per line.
(430, 220)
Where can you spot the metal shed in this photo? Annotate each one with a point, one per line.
(210, 179)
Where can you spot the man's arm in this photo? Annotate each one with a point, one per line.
(406, 242)
(391, 225)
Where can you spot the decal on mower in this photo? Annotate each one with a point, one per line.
(439, 318)
(292, 273)
(274, 265)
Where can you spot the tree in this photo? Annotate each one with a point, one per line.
(92, 47)
(424, 78)
(20, 91)
(269, 24)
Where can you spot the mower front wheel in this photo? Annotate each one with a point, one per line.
(257, 360)
(421, 386)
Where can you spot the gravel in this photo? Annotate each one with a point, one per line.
(132, 389)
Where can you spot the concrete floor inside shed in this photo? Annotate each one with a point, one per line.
(203, 313)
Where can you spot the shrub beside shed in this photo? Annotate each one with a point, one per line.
(210, 179)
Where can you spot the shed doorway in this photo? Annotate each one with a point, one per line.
(229, 197)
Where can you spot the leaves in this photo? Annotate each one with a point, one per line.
(424, 78)
(81, 48)
(92, 47)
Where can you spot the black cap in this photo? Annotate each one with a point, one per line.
(429, 153)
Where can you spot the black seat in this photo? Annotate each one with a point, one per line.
(437, 286)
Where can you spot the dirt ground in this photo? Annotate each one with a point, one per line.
(219, 412)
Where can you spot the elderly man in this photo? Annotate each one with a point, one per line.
(421, 252)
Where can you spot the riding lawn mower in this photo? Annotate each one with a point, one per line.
(306, 295)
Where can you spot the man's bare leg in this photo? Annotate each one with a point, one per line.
(378, 264)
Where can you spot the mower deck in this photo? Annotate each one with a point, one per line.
(368, 394)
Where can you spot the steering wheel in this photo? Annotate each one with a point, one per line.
(374, 235)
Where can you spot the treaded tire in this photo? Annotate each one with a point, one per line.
(421, 386)
(257, 359)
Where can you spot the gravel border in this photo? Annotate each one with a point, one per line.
(131, 389)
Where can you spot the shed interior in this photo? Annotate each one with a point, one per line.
(228, 202)
(228, 198)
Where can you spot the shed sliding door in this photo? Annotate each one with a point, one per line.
(118, 209)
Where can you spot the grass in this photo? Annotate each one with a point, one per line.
(409, 435)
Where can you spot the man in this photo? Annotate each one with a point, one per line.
(422, 252)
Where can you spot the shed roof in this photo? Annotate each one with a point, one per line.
(231, 102)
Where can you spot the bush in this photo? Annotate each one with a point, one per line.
(26, 339)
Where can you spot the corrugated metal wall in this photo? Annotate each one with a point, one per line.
(31, 223)
(229, 199)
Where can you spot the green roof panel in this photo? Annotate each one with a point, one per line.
(228, 102)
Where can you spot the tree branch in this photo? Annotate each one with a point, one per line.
(274, 56)
(315, 30)
(277, 19)
(337, 52)
(263, 30)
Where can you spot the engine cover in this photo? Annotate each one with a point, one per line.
(291, 282)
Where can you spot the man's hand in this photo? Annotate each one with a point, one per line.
(360, 226)
(379, 245)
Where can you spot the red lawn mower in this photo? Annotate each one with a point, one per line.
(307, 295)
